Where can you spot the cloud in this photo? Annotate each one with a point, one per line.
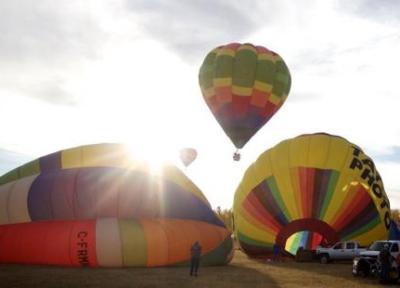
(192, 28)
(10, 160)
(382, 11)
(394, 197)
(52, 91)
(41, 42)
(392, 155)
(46, 31)
(302, 96)
(388, 170)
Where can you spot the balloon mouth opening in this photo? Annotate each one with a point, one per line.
(306, 234)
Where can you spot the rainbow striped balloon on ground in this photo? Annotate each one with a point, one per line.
(244, 86)
(95, 206)
(310, 190)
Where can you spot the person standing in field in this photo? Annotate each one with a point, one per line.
(195, 252)
(276, 252)
(384, 258)
(397, 261)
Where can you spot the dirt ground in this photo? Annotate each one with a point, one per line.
(241, 272)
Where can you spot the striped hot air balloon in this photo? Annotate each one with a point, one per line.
(309, 190)
(95, 206)
(244, 86)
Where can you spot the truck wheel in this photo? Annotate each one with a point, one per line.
(324, 259)
(363, 269)
(363, 272)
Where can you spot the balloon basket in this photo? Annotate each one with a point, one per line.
(236, 156)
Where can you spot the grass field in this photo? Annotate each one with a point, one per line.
(241, 272)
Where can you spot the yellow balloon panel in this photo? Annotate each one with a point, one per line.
(320, 186)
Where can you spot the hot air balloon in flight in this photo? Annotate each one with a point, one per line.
(96, 206)
(310, 190)
(187, 156)
(244, 86)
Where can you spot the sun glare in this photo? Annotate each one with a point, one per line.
(146, 157)
(155, 158)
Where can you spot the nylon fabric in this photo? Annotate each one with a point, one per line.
(311, 178)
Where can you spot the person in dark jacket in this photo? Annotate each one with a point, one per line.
(385, 261)
(276, 252)
(195, 260)
(397, 261)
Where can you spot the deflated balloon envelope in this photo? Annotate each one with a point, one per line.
(307, 191)
(244, 86)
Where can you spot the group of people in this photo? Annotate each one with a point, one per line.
(386, 261)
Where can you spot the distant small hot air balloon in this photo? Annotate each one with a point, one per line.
(187, 155)
(243, 85)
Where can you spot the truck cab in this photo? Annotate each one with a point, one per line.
(344, 250)
(377, 247)
(367, 262)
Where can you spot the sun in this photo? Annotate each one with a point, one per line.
(154, 156)
(145, 155)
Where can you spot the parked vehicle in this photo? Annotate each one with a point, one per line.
(346, 250)
(367, 262)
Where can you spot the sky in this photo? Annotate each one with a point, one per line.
(79, 72)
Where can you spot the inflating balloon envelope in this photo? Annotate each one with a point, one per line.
(96, 206)
(307, 191)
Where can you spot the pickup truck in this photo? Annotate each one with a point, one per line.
(345, 250)
(367, 262)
